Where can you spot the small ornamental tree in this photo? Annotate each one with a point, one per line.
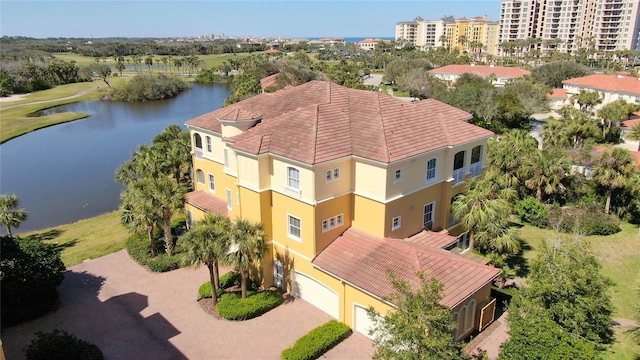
(419, 327)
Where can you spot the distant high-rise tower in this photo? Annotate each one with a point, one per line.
(568, 25)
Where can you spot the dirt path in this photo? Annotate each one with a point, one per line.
(83, 92)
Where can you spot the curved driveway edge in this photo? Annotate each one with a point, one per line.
(132, 313)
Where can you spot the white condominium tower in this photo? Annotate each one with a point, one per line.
(421, 33)
(568, 25)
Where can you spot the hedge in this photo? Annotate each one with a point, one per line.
(585, 220)
(317, 342)
(60, 345)
(234, 307)
(139, 249)
(205, 290)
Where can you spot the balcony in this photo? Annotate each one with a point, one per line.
(198, 153)
(476, 168)
(458, 176)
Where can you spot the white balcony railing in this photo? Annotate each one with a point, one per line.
(475, 169)
(198, 153)
(458, 175)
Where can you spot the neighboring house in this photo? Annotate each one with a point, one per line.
(247, 43)
(626, 126)
(557, 99)
(370, 44)
(348, 184)
(269, 81)
(610, 87)
(501, 74)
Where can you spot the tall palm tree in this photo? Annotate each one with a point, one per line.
(587, 99)
(546, 170)
(612, 113)
(507, 153)
(612, 171)
(10, 215)
(248, 247)
(138, 213)
(484, 211)
(635, 134)
(207, 243)
(163, 194)
(174, 144)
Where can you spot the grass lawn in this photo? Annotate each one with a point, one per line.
(619, 256)
(15, 121)
(86, 239)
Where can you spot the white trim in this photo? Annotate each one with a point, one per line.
(297, 254)
(289, 235)
(393, 223)
(338, 221)
(209, 178)
(433, 213)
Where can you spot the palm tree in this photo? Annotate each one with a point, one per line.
(175, 144)
(587, 99)
(137, 213)
(10, 215)
(484, 211)
(612, 171)
(164, 195)
(635, 134)
(546, 171)
(248, 247)
(507, 153)
(612, 113)
(206, 243)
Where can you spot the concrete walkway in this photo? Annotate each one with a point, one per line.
(131, 313)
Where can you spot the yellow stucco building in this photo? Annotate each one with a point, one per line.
(475, 35)
(348, 184)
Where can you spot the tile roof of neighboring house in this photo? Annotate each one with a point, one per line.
(321, 121)
(609, 83)
(271, 51)
(269, 81)
(635, 155)
(207, 202)
(558, 94)
(630, 123)
(481, 70)
(363, 260)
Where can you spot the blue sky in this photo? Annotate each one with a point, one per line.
(157, 18)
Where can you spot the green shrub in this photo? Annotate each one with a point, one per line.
(138, 248)
(234, 307)
(232, 278)
(533, 212)
(585, 220)
(145, 87)
(59, 345)
(30, 272)
(205, 290)
(317, 342)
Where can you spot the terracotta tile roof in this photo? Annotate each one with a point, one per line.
(630, 123)
(321, 121)
(362, 260)
(609, 83)
(635, 155)
(558, 94)
(207, 202)
(269, 80)
(432, 240)
(481, 70)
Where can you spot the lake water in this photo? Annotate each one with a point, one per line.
(65, 173)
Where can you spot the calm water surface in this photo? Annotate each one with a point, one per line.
(65, 173)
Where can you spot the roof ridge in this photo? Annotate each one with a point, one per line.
(445, 130)
(384, 132)
(438, 253)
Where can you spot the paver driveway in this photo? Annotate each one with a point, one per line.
(131, 313)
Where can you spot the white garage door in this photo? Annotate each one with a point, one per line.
(362, 323)
(315, 293)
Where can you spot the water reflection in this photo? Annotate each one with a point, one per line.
(65, 173)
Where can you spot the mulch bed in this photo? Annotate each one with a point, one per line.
(207, 305)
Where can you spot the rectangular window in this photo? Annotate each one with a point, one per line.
(212, 183)
(398, 175)
(427, 220)
(396, 223)
(332, 222)
(295, 227)
(226, 158)
(208, 143)
(229, 200)
(336, 173)
(329, 175)
(431, 169)
(332, 174)
(293, 178)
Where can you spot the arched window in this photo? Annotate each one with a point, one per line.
(458, 167)
(200, 175)
(462, 318)
(476, 156)
(293, 178)
(197, 139)
(471, 316)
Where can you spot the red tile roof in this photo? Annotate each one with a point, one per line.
(481, 70)
(269, 81)
(630, 123)
(207, 202)
(321, 121)
(362, 260)
(609, 83)
(558, 94)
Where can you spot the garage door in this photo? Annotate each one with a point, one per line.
(315, 293)
(362, 323)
